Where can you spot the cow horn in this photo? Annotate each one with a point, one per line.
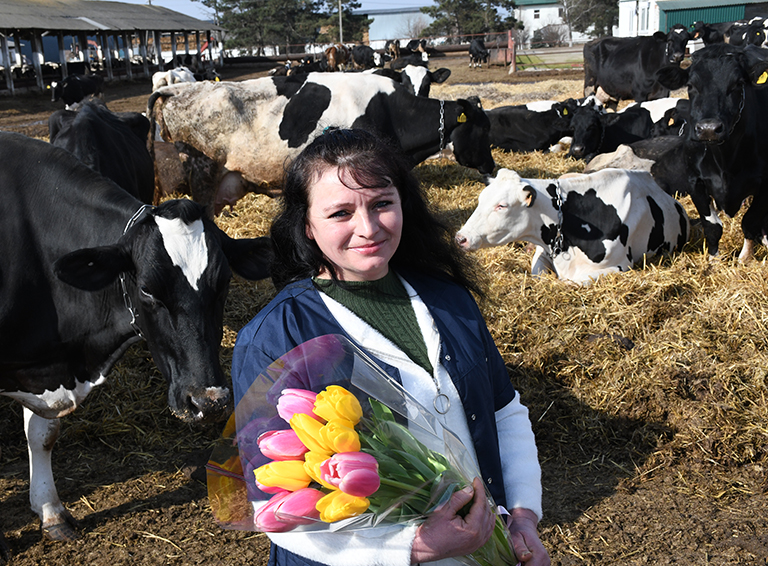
(531, 198)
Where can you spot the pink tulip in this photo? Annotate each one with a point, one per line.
(354, 473)
(282, 445)
(294, 401)
(285, 511)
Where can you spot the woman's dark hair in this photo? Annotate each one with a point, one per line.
(426, 245)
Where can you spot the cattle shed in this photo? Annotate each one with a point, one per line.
(686, 12)
(115, 38)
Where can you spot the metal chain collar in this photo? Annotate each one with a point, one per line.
(126, 297)
(442, 124)
(556, 246)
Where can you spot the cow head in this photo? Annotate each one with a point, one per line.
(175, 266)
(471, 144)
(721, 82)
(588, 130)
(503, 214)
(676, 39)
(418, 79)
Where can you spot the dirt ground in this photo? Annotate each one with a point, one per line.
(134, 476)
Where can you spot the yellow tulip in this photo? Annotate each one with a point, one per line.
(340, 436)
(286, 474)
(337, 505)
(338, 403)
(312, 463)
(308, 431)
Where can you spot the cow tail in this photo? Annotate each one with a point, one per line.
(151, 144)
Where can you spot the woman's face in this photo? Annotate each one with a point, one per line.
(358, 230)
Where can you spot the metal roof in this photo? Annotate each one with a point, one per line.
(687, 4)
(94, 15)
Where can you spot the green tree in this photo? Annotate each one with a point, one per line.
(215, 7)
(352, 25)
(463, 17)
(256, 24)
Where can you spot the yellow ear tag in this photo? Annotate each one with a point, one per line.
(762, 78)
(565, 112)
(462, 118)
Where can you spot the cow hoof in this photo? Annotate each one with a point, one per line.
(62, 531)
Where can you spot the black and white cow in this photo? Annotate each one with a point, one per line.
(218, 124)
(583, 226)
(596, 131)
(625, 67)
(364, 57)
(74, 88)
(416, 78)
(710, 33)
(478, 54)
(517, 128)
(86, 271)
(726, 150)
(743, 33)
(415, 59)
(114, 145)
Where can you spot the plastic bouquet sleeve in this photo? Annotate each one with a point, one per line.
(324, 439)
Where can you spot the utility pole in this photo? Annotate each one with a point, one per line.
(341, 33)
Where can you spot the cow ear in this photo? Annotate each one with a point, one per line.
(91, 269)
(531, 196)
(758, 73)
(248, 257)
(440, 75)
(660, 36)
(672, 77)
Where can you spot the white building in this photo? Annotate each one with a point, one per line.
(538, 14)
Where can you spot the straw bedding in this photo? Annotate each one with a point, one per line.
(647, 391)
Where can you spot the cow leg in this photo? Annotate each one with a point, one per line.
(541, 262)
(57, 523)
(746, 251)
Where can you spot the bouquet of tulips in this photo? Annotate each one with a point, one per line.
(324, 439)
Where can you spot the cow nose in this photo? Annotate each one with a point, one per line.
(577, 151)
(213, 404)
(709, 130)
(461, 240)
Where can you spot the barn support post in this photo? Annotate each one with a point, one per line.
(143, 51)
(83, 39)
(107, 51)
(159, 50)
(128, 53)
(173, 49)
(37, 58)
(186, 43)
(511, 53)
(197, 49)
(209, 39)
(62, 55)
(7, 63)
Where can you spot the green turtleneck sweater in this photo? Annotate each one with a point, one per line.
(386, 306)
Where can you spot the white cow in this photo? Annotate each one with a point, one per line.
(583, 225)
(171, 77)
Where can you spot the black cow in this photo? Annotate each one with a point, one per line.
(75, 88)
(86, 271)
(742, 33)
(115, 145)
(596, 131)
(725, 149)
(710, 33)
(414, 46)
(625, 67)
(364, 57)
(478, 54)
(416, 78)
(516, 128)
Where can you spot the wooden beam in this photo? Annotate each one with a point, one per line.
(173, 49)
(106, 50)
(62, 55)
(128, 51)
(143, 51)
(159, 50)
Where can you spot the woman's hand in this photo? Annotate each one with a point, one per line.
(445, 534)
(525, 538)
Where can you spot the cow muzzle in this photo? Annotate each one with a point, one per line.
(709, 130)
(213, 404)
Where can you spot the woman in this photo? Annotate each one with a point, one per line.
(358, 253)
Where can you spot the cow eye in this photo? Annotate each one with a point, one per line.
(501, 206)
(146, 293)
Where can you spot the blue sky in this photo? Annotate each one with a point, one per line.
(197, 10)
